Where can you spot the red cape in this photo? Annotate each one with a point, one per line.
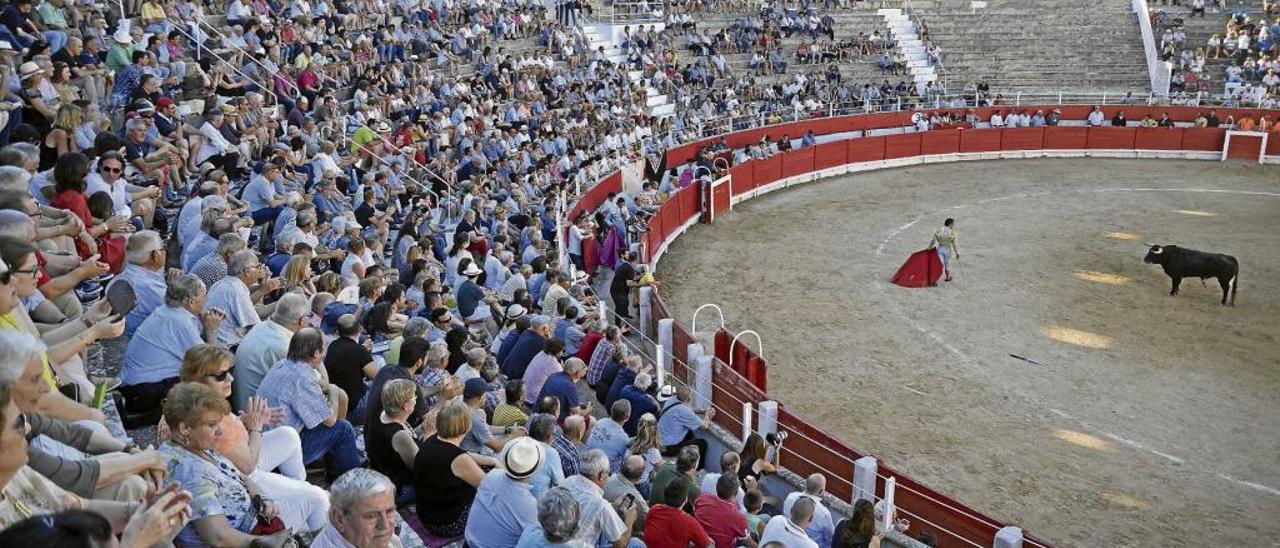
(922, 269)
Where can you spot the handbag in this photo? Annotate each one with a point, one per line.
(266, 525)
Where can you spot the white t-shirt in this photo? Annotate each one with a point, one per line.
(349, 277)
(781, 530)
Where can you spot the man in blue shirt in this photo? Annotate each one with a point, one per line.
(678, 423)
(264, 202)
(609, 436)
(471, 296)
(504, 497)
(641, 402)
(530, 343)
(145, 252)
(154, 354)
(191, 213)
(312, 406)
(563, 386)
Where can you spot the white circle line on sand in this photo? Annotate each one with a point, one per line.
(966, 360)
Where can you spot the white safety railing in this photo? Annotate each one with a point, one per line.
(1159, 71)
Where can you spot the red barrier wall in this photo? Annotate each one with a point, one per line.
(1066, 138)
(1165, 138)
(946, 141)
(829, 155)
(901, 146)
(797, 162)
(978, 140)
(1023, 138)
(1112, 138)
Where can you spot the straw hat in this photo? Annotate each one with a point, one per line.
(521, 458)
(29, 69)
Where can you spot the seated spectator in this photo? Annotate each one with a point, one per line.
(729, 463)
(540, 368)
(598, 521)
(362, 513)
(413, 357)
(563, 385)
(607, 434)
(511, 413)
(637, 393)
(144, 273)
(255, 454)
(528, 345)
(557, 521)
(678, 424)
(821, 528)
(624, 483)
(445, 475)
(390, 442)
(670, 526)
(222, 508)
(719, 513)
(756, 460)
(684, 469)
(312, 406)
(860, 528)
(82, 459)
(481, 437)
(350, 364)
(153, 358)
(543, 429)
(266, 344)
(63, 369)
(504, 507)
(231, 296)
(789, 530)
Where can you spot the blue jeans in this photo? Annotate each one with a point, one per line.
(944, 253)
(337, 441)
(265, 215)
(57, 40)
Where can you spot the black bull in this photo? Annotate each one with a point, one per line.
(1181, 263)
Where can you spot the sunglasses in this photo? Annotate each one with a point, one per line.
(221, 376)
(109, 169)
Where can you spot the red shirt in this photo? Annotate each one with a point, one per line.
(588, 345)
(722, 519)
(667, 526)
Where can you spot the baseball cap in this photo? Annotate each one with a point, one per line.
(474, 388)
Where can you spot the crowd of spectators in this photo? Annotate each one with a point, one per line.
(1247, 43)
(282, 273)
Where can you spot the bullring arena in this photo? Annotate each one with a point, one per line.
(1148, 420)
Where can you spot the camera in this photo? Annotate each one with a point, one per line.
(776, 439)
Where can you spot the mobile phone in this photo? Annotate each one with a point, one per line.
(628, 501)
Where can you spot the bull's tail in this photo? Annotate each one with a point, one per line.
(1235, 284)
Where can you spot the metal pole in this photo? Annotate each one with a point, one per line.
(746, 421)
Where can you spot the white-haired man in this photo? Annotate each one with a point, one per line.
(232, 296)
(145, 253)
(362, 512)
(266, 344)
(821, 528)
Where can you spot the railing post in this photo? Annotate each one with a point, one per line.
(890, 485)
(660, 364)
(646, 310)
(1104, 97)
(1008, 537)
(1059, 97)
(666, 333)
(768, 417)
(746, 421)
(1017, 99)
(864, 479)
(702, 385)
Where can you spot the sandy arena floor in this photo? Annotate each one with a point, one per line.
(1153, 419)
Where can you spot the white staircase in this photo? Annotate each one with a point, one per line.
(610, 38)
(910, 47)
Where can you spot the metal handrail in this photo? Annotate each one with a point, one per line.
(251, 56)
(275, 99)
